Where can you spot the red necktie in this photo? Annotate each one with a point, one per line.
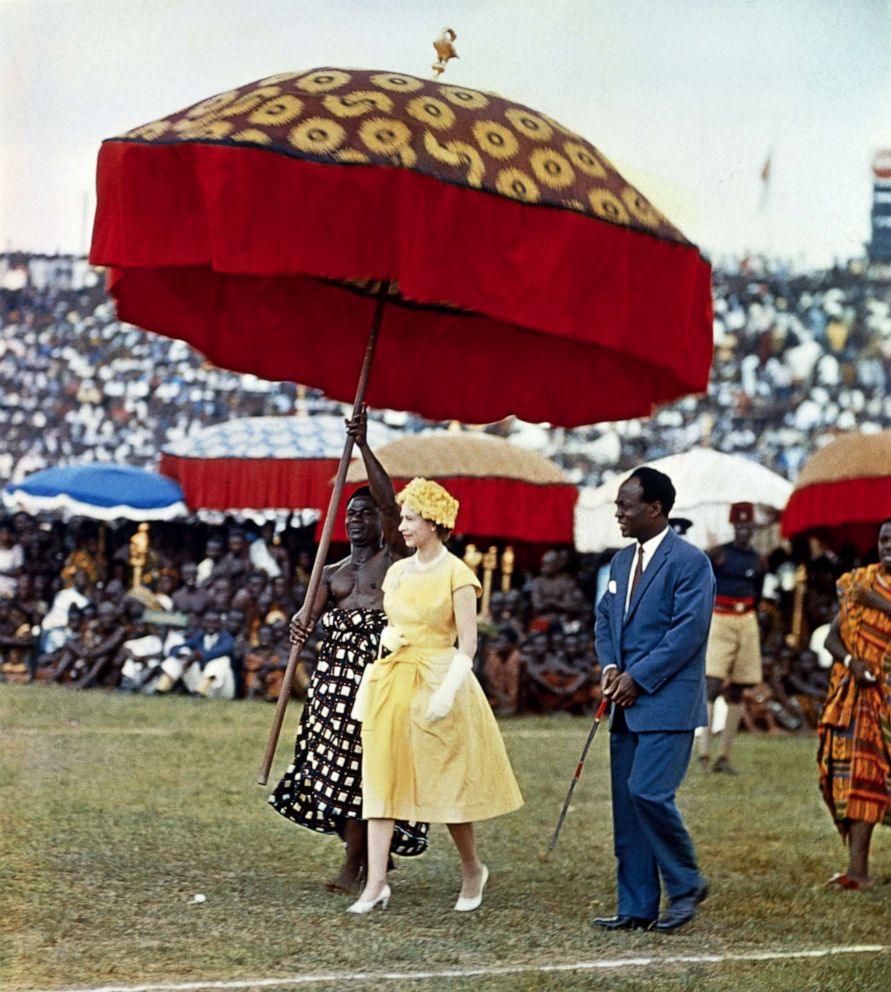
(638, 572)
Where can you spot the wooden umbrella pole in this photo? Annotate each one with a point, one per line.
(315, 578)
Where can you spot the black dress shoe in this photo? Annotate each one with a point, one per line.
(683, 909)
(622, 923)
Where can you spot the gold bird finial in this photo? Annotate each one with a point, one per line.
(445, 50)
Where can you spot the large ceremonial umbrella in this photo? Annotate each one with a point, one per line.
(259, 463)
(505, 491)
(268, 226)
(707, 482)
(100, 491)
(844, 491)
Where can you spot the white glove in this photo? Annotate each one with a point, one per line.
(392, 639)
(443, 699)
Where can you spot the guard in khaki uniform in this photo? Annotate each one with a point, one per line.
(733, 656)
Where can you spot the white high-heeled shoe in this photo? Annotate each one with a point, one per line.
(367, 905)
(465, 905)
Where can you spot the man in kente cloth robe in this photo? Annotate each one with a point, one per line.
(855, 728)
(322, 787)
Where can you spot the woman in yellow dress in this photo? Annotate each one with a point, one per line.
(431, 749)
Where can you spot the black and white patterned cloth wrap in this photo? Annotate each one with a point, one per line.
(322, 787)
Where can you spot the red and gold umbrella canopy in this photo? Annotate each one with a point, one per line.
(531, 277)
(505, 491)
(270, 225)
(844, 491)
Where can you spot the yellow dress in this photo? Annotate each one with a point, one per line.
(454, 770)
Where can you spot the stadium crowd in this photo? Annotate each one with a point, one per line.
(210, 618)
(799, 357)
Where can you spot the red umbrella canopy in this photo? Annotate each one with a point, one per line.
(529, 276)
(843, 491)
(505, 491)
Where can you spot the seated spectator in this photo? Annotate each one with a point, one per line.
(261, 554)
(506, 609)
(808, 684)
(55, 626)
(553, 591)
(85, 556)
(221, 594)
(188, 598)
(553, 684)
(142, 654)
(18, 642)
(758, 713)
(165, 583)
(264, 669)
(65, 646)
(12, 560)
(93, 656)
(235, 565)
(278, 599)
(501, 671)
(203, 664)
(249, 599)
(774, 670)
(213, 553)
(234, 621)
(578, 648)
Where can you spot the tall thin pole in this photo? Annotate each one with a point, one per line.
(315, 578)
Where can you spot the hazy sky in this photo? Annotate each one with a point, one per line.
(687, 97)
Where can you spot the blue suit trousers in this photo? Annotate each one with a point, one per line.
(649, 835)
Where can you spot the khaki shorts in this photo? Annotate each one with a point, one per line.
(734, 649)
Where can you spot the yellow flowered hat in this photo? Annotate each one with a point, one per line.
(431, 501)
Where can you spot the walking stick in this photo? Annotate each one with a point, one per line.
(601, 709)
(315, 578)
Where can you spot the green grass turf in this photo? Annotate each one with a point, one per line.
(115, 811)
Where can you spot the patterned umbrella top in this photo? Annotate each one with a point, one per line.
(462, 455)
(273, 437)
(852, 456)
(457, 135)
(530, 277)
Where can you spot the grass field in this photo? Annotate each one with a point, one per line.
(115, 811)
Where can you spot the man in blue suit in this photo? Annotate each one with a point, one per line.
(652, 629)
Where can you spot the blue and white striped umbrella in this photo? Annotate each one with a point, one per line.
(100, 491)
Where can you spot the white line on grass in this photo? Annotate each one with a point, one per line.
(606, 964)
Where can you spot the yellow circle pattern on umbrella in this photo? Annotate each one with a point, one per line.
(250, 101)
(455, 134)
(608, 206)
(397, 83)
(319, 135)
(432, 112)
(459, 154)
(358, 102)
(496, 139)
(387, 136)
(279, 110)
(468, 99)
(551, 168)
(515, 183)
(323, 80)
(528, 124)
(252, 134)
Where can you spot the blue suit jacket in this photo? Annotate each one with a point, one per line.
(661, 641)
(225, 645)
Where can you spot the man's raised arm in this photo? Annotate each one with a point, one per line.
(379, 483)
